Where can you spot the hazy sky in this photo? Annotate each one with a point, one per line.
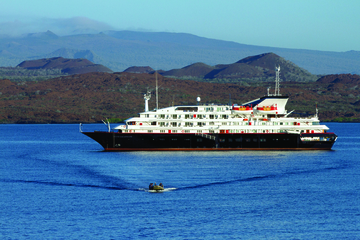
(329, 25)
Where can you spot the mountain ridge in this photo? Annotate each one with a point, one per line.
(253, 68)
(119, 50)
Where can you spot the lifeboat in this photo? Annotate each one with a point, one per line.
(273, 109)
(242, 110)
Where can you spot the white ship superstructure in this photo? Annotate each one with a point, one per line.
(263, 115)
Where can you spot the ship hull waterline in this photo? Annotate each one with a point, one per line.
(113, 141)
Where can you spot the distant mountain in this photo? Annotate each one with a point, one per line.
(260, 67)
(47, 34)
(120, 50)
(68, 66)
(72, 53)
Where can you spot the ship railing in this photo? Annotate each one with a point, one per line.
(208, 136)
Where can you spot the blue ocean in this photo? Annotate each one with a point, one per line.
(56, 183)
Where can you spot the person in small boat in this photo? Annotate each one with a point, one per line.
(151, 186)
(161, 185)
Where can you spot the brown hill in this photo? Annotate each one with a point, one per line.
(340, 78)
(136, 69)
(67, 66)
(260, 67)
(198, 70)
(92, 97)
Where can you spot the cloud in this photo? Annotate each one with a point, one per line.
(60, 26)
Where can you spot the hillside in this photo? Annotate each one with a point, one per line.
(254, 68)
(119, 50)
(67, 66)
(92, 97)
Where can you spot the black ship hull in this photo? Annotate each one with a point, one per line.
(113, 141)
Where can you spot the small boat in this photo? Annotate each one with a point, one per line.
(156, 187)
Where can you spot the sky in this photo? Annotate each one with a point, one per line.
(326, 25)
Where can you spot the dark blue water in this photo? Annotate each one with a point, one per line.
(56, 183)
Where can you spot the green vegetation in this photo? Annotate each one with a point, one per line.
(19, 74)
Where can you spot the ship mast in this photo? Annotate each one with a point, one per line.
(157, 97)
(277, 81)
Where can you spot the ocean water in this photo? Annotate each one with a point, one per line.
(56, 183)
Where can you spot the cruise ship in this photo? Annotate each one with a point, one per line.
(260, 124)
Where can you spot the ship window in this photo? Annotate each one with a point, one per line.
(211, 116)
(187, 116)
(162, 116)
(255, 140)
(199, 140)
(199, 131)
(224, 123)
(281, 123)
(162, 131)
(173, 124)
(162, 139)
(187, 131)
(262, 140)
(174, 139)
(175, 131)
(238, 139)
(153, 123)
(174, 116)
(222, 139)
(150, 131)
(211, 123)
(247, 140)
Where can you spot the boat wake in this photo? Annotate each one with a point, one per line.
(264, 177)
(64, 184)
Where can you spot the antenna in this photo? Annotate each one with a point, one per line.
(147, 97)
(277, 81)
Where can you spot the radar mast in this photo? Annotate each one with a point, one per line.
(277, 81)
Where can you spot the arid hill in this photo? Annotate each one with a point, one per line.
(92, 97)
(146, 69)
(67, 66)
(255, 68)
